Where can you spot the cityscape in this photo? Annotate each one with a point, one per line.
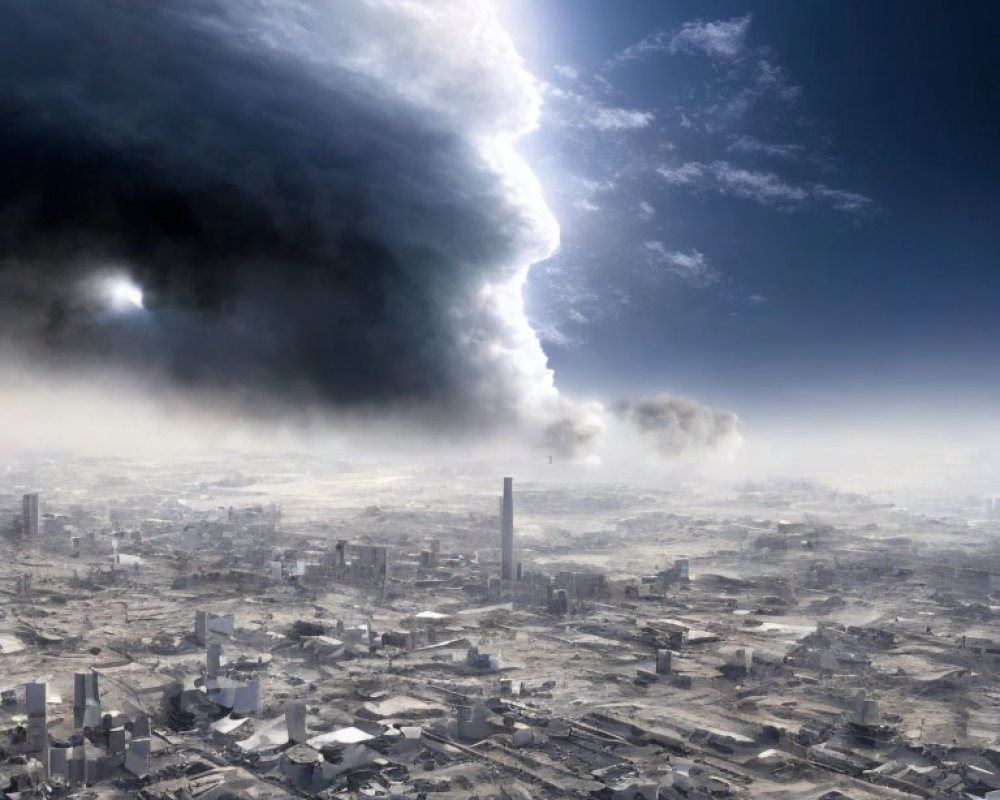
(183, 630)
(499, 400)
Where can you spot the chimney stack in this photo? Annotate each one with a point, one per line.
(507, 531)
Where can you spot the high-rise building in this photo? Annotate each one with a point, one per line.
(507, 531)
(34, 696)
(29, 516)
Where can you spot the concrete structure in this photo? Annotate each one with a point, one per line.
(35, 697)
(368, 564)
(247, 699)
(481, 661)
(558, 601)
(663, 658)
(866, 712)
(372, 563)
(206, 622)
(214, 659)
(295, 721)
(507, 531)
(475, 723)
(139, 748)
(29, 516)
(58, 760)
(739, 662)
(86, 700)
(582, 585)
(116, 739)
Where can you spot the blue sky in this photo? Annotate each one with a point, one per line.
(325, 210)
(769, 205)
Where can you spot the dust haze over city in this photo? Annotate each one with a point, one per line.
(529, 398)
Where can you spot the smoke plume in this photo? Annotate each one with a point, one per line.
(677, 426)
(575, 430)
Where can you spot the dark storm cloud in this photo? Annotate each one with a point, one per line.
(303, 229)
(676, 426)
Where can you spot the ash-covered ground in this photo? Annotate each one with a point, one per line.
(279, 626)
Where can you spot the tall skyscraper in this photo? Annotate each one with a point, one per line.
(507, 531)
(29, 516)
(34, 697)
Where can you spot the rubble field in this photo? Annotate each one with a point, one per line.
(282, 626)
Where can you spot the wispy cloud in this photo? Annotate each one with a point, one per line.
(749, 84)
(722, 39)
(691, 266)
(687, 174)
(753, 146)
(616, 119)
(770, 77)
(841, 200)
(646, 210)
(765, 188)
(578, 110)
(725, 39)
(572, 294)
(550, 333)
(747, 77)
(587, 191)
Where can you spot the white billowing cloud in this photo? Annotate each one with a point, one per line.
(691, 266)
(578, 110)
(567, 71)
(454, 59)
(765, 188)
(451, 56)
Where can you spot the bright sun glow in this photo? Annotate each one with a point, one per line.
(124, 294)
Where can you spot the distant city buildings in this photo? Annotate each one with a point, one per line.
(23, 525)
(363, 648)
